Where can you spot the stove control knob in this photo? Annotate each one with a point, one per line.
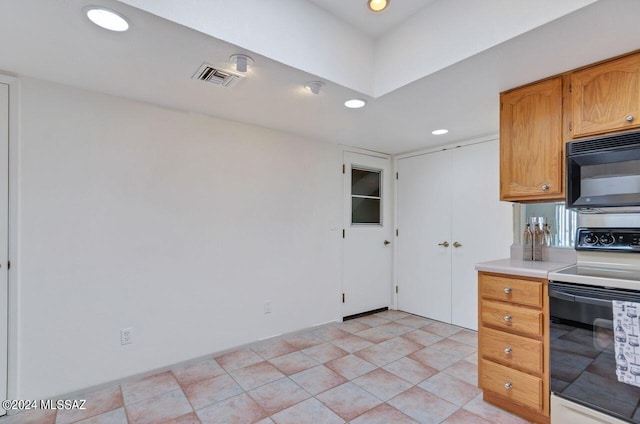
(607, 239)
(590, 239)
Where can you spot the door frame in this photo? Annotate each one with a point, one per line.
(394, 167)
(13, 322)
(392, 220)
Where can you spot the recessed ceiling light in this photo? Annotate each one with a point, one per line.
(106, 18)
(378, 5)
(355, 103)
(439, 132)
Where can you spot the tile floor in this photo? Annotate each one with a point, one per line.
(391, 367)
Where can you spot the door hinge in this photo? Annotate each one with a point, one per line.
(343, 233)
(570, 126)
(396, 175)
(396, 232)
(396, 289)
(8, 264)
(342, 297)
(344, 168)
(570, 88)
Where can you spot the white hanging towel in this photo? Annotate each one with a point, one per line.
(626, 333)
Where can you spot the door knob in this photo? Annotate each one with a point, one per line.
(386, 242)
(444, 243)
(456, 244)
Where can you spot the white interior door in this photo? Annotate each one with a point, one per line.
(4, 220)
(481, 224)
(424, 235)
(368, 227)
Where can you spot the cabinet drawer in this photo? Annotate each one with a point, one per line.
(511, 317)
(509, 289)
(516, 386)
(512, 350)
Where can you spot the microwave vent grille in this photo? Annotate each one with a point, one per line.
(611, 142)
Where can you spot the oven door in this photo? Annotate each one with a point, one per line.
(582, 354)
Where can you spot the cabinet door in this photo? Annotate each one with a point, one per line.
(481, 228)
(531, 146)
(424, 231)
(606, 97)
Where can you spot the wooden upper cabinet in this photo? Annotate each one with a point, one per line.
(531, 144)
(606, 97)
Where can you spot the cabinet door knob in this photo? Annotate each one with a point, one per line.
(507, 318)
(444, 243)
(507, 290)
(507, 350)
(507, 385)
(456, 244)
(629, 118)
(544, 187)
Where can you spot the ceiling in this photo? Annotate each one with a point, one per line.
(428, 64)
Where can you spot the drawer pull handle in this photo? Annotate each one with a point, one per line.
(507, 318)
(507, 290)
(507, 385)
(507, 350)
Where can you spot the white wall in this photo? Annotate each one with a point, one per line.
(178, 225)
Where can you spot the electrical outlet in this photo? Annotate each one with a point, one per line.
(126, 336)
(267, 307)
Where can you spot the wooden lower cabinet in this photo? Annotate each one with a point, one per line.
(513, 341)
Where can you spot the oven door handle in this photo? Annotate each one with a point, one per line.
(579, 299)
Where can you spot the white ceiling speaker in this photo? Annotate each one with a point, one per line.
(242, 62)
(314, 86)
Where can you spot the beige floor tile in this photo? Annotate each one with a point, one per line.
(201, 370)
(492, 413)
(159, 409)
(395, 328)
(423, 338)
(373, 320)
(99, 402)
(211, 390)
(311, 411)
(434, 358)
(410, 370)
(191, 418)
(449, 346)
(350, 366)
(303, 340)
(467, 337)
(325, 352)
(238, 359)
(383, 414)
(415, 321)
(465, 417)
(256, 375)
(272, 348)
(329, 332)
(279, 395)
(393, 315)
(348, 400)
(351, 343)
(450, 389)
(34, 416)
(239, 409)
(382, 384)
(423, 406)
(117, 416)
(374, 335)
(294, 363)
(353, 326)
(441, 329)
(465, 371)
(318, 379)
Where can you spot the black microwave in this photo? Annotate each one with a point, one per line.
(604, 172)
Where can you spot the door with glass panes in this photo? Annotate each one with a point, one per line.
(366, 277)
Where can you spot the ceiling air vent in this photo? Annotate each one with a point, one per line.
(221, 77)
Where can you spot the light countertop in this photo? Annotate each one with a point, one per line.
(523, 268)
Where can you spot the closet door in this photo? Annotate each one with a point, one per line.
(424, 238)
(481, 225)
